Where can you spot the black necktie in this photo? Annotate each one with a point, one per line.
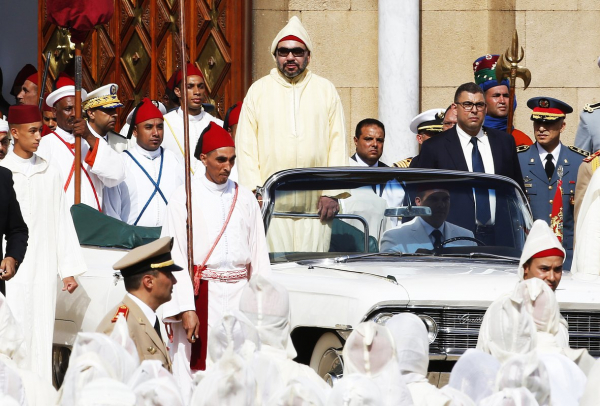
(549, 167)
(437, 238)
(482, 200)
(157, 328)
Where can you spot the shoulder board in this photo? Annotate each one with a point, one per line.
(522, 148)
(589, 108)
(403, 163)
(579, 150)
(591, 157)
(122, 310)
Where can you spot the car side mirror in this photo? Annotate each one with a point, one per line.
(408, 211)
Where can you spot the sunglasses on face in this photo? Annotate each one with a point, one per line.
(297, 52)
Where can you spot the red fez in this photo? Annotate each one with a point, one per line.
(552, 252)
(213, 137)
(192, 70)
(171, 83)
(147, 111)
(23, 114)
(233, 115)
(292, 38)
(22, 76)
(64, 80)
(33, 78)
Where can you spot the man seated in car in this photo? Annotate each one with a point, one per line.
(426, 232)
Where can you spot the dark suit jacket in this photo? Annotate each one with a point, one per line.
(12, 225)
(445, 152)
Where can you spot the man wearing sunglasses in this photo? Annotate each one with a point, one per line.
(292, 118)
(469, 146)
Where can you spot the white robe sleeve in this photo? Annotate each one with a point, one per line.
(258, 241)
(70, 256)
(108, 165)
(247, 145)
(175, 226)
(116, 202)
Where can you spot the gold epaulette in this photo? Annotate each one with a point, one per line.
(122, 310)
(579, 150)
(589, 108)
(522, 148)
(405, 163)
(591, 157)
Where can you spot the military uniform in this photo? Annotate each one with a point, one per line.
(404, 163)
(155, 256)
(426, 124)
(149, 345)
(588, 132)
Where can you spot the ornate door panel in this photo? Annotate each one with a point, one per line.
(139, 49)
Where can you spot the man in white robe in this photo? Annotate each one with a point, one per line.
(53, 245)
(198, 120)
(101, 166)
(586, 253)
(240, 252)
(152, 173)
(293, 118)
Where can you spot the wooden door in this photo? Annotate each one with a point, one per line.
(139, 49)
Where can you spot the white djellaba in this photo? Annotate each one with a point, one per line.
(475, 374)
(370, 351)
(355, 390)
(412, 349)
(525, 371)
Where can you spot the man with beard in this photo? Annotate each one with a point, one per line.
(496, 97)
(100, 106)
(426, 232)
(101, 165)
(152, 173)
(293, 118)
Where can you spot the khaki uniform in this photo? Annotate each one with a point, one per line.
(141, 331)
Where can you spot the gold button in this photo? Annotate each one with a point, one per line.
(550, 187)
(550, 201)
(550, 215)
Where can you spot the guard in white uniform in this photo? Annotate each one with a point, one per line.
(101, 166)
(100, 109)
(152, 173)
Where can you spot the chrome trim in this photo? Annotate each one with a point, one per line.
(340, 216)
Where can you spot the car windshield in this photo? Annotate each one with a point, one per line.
(393, 211)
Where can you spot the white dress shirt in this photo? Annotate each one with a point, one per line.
(543, 153)
(483, 144)
(429, 229)
(148, 312)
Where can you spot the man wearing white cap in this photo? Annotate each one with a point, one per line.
(425, 125)
(4, 139)
(100, 108)
(102, 166)
(292, 118)
(152, 173)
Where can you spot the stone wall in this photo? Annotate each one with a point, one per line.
(561, 39)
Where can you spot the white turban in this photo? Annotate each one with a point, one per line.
(528, 372)
(540, 238)
(294, 27)
(370, 351)
(355, 390)
(475, 374)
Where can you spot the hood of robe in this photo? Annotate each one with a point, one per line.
(107, 392)
(528, 372)
(412, 346)
(266, 304)
(475, 374)
(294, 27)
(301, 391)
(154, 385)
(237, 331)
(540, 238)
(355, 390)
(510, 396)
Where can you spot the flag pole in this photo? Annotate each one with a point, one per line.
(186, 142)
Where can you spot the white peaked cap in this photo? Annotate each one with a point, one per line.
(158, 104)
(429, 115)
(540, 238)
(3, 126)
(294, 27)
(63, 92)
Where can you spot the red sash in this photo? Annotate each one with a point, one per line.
(199, 348)
(71, 147)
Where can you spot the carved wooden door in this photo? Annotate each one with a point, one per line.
(139, 49)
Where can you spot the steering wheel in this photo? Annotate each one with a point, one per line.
(449, 240)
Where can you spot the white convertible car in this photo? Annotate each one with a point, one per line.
(377, 257)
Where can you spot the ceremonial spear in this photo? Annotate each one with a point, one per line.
(79, 17)
(186, 143)
(508, 67)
